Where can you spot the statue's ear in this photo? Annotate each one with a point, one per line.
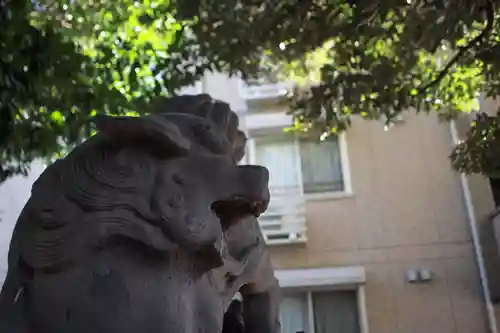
(152, 130)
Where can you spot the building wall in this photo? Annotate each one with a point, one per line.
(406, 211)
(13, 196)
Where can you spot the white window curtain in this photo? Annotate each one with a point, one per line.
(280, 157)
(321, 166)
(294, 314)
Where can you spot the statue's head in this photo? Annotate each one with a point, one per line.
(169, 181)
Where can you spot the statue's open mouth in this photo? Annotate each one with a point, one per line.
(234, 208)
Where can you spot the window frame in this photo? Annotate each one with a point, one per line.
(275, 132)
(301, 142)
(308, 291)
(327, 279)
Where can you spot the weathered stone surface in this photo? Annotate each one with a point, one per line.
(149, 226)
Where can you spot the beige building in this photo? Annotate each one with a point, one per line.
(370, 233)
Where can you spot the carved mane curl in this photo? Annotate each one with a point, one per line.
(97, 191)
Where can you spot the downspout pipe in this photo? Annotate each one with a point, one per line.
(471, 215)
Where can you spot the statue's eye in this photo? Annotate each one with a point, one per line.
(203, 128)
(212, 139)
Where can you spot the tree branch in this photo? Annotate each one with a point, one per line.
(490, 17)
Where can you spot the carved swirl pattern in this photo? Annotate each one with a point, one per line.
(98, 191)
(107, 178)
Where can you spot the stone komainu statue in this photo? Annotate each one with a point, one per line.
(149, 226)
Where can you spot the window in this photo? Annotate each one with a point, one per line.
(298, 165)
(321, 166)
(320, 312)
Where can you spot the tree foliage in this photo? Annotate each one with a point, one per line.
(63, 60)
(368, 58)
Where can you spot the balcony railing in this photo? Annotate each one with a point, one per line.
(265, 91)
(285, 222)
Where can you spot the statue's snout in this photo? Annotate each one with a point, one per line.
(249, 195)
(253, 184)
